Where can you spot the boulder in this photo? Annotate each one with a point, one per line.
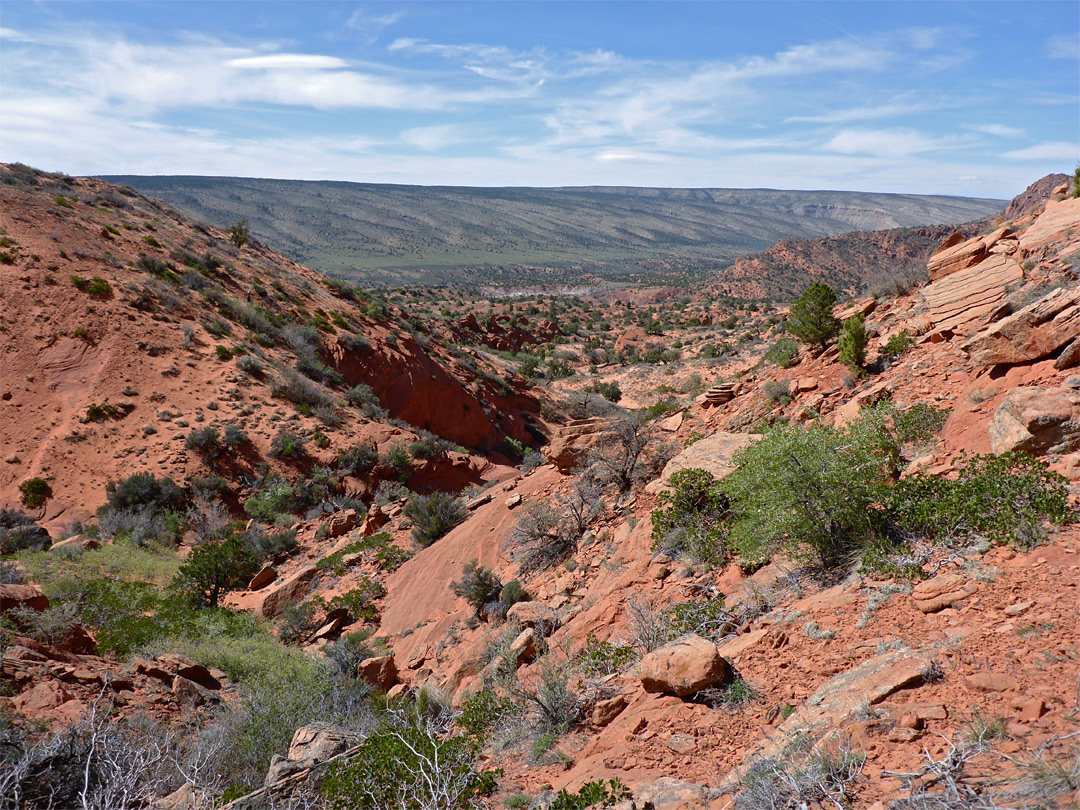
(342, 522)
(380, 671)
(957, 254)
(523, 648)
(684, 666)
(28, 596)
(668, 793)
(318, 742)
(1037, 420)
(1036, 331)
(942, 591)
(46, 695)
(290, 589)
(713, 454)
(534, 614)
(607, 710)
(571, 441)
(962, 301)
(1069, 357)
(186, 668)
(266, 575)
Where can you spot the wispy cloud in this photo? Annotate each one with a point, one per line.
(872, 112)
(288, 61)
(889, 143)
(1000, 130)
(1064, 46)
(1050, 150)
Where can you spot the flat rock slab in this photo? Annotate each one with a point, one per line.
(713, 454)
(942, 591)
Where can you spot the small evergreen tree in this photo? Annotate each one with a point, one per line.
(212, 570)
(853, 341)
(811, 319)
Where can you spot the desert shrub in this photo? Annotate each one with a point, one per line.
(299, 390)
(592, 794)
(483, 711)
(239, 233)
(407, 764)
(433, 516)
(689, 519)
(143, 489)
(287, 443)
(478, 586)
(96, 286)
(361, 395)
(581, 504)
(250, 364)
(807, 491)
(777, 392)
(919, 423)
(234, 436)
(344, 655)
(558, 368)
(143, 526)
(34, 492)
(897, 345)
(783, 352)
(429, 446)
(214, 569)
(821, 778)
(811, 319)
(541, 539)
(598, 659)
(530, 461)
(397, 456)
(512, 593)
(357, 459)
(206, 441)
(275, 497)
(1005, 498)
(608, 390)
(853, 340)
(631, 451)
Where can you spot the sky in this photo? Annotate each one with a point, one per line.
(968, 98)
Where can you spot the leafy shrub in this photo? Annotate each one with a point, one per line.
(299, 390)
(19, 532)
(629, 452)
(206, 441)
(361, 395)
(897, 345)
(34, 491)
(599, 659)
(811, 319)
(433, 516)
(397, 456)
(142, 526)
(919, 423)
(783, 352)
(608, 390)
(689, 518)
(1004, 498)
(214, 569)
(777, 392)
(429, 446)
(484, 710)
(853, 340)
(478, 586)
(808, 491)
(407, 765)
(592, 794)
(250, 364)
(275, 497)
(143, 489)
(235, 436)
(512, 593)
(357, 459)
(287, 443)
(239, 233)
(95, 286)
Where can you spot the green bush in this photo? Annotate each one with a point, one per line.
(143, 489)
(397, 456)
(599, 659)
(811, 319)
(206, 441)
(777, 392)
(897, 345)
(689, 518)
(919, 423)
(592, 794)
(853, 340)
(357, 459)
(1005, 498)
(34, 491)
(408, 766)
(287, 443)
(95, 286)
(608, 390)
(809, 492)
(484, 710)
(19, 532)
(478, 586)
(433, 516)
(361, 395)
(275, 497)
(214, 569)
(783, 352)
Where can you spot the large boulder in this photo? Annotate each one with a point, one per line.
(955, 254)
(380, 671)
(1038, 420)
(962, 301)
(571, 441)
(684, 666)
(1037, 330)
(291, 589)
(27, 596)
(713, 454)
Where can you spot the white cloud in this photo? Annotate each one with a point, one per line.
(288, 61)
(1000, 130)
(864, 113)
(889, 143)
(1050, 150)
(432, 139)
(1064, 46)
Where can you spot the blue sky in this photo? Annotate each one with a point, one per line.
(952, 98)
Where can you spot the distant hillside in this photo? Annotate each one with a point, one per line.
(418, 234)
(850, 262)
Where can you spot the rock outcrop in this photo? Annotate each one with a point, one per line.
(1036, 331)
(683, 667)
(1038, 420)
(714, 454)
(571, 441)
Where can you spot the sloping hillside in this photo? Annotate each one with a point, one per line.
(420, 234)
